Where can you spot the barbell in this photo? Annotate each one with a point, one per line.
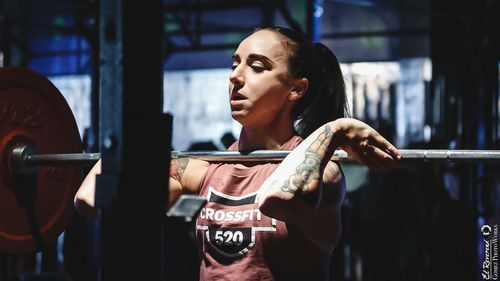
(408, 155)
(39, 137)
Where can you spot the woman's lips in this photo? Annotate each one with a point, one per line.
(236, 103)
(237, 96)
(237, 99)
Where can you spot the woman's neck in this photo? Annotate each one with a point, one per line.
(270, 138)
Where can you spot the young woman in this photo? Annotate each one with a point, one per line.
(275, 221)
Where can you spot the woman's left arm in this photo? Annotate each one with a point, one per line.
(293, 192)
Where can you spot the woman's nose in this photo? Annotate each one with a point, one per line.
(236, 77)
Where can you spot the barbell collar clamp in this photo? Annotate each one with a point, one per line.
(18, 160)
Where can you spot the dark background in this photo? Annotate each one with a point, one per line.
(421, 223)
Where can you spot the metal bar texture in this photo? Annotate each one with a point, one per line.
(240, 156)
(439, 155)
(410, 155)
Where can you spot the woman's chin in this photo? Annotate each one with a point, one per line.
(238, 115)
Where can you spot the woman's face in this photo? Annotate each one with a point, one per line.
(259, 85)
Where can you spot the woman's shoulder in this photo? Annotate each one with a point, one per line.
(190, 173)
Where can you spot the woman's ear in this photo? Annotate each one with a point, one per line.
(299, 89)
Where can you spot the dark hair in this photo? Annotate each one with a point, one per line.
(325, 99)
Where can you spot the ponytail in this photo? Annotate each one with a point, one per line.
(325, 99)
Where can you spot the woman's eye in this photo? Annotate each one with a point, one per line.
(257, 68)
(233, 67)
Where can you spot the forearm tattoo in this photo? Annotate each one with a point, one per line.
(177, 167)
(308, 172)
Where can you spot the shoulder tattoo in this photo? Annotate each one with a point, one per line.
(177, 167)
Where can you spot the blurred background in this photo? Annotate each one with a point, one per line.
(424, 73)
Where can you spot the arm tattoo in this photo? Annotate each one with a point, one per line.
(308, 172)
(177, 167)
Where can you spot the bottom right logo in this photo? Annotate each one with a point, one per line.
(490, 262)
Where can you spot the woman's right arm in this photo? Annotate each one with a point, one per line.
(186, 176)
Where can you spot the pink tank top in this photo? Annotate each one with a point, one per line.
(237, 242)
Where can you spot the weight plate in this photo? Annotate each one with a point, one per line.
(33, 111)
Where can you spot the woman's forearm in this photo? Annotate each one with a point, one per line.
(300, 171)
(298, 178)
(297, 181)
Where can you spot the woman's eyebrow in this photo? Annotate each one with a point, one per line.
(235, 57)
(261, 58)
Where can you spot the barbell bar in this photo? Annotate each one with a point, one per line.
(408, 155)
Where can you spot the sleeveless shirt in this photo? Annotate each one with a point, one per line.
(237, 242)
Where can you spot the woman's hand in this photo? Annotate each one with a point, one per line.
(365, 144)
(84, 198)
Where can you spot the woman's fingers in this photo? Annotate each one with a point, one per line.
(376, 152)
(367, 145)
(387, 147)
(382, 159)
(374, 158)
